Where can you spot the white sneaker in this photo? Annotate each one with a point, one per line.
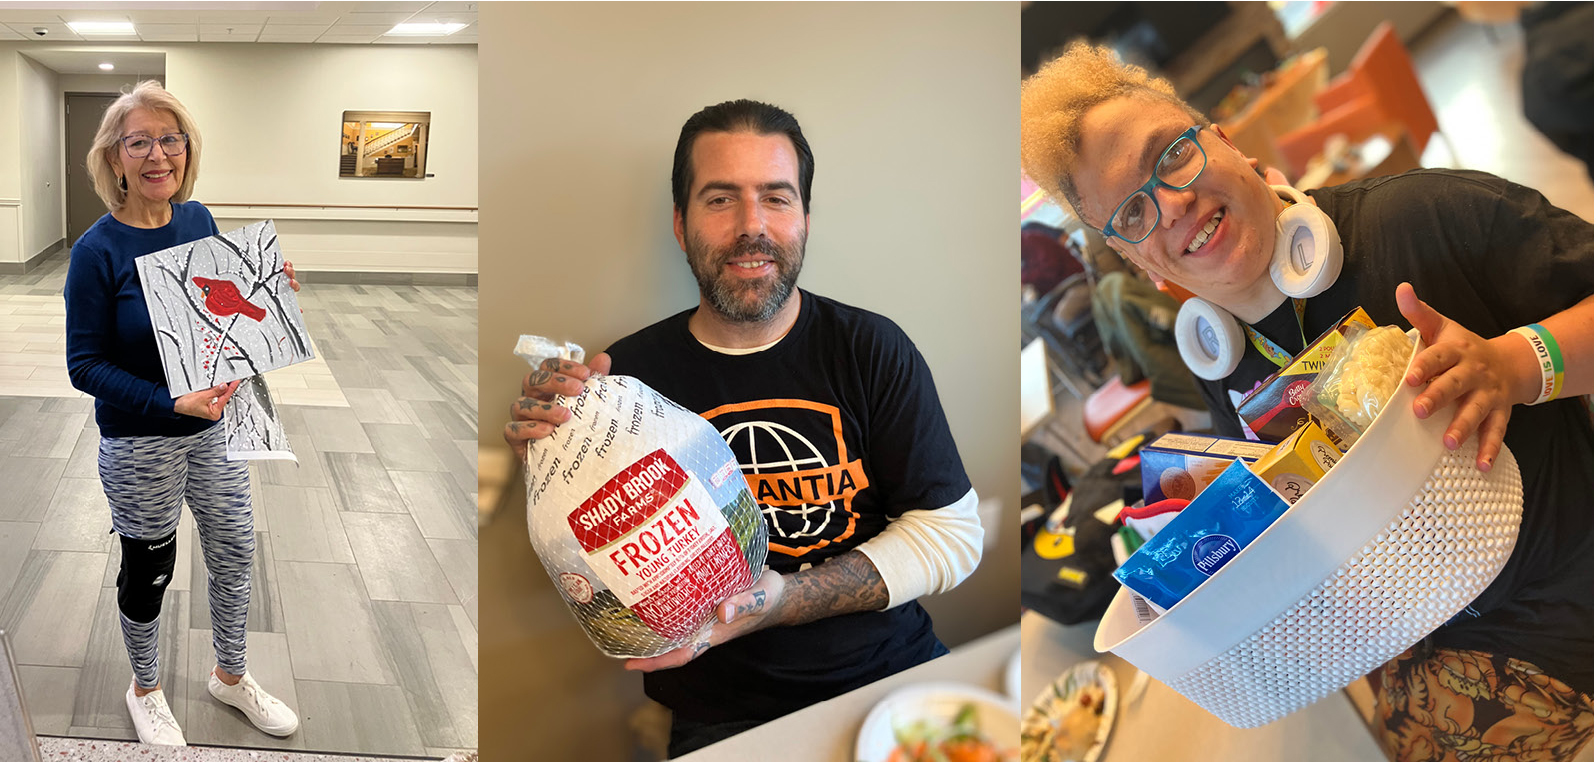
(153, 719)
(262, 709)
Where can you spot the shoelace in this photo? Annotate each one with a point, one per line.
(159, 711)
(259, 697)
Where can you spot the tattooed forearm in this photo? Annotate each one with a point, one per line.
(842, 585)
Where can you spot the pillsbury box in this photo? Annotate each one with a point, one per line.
(1225, 517)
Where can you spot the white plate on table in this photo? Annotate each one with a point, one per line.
(939, 703)
(1056, 708)
(1011, 680)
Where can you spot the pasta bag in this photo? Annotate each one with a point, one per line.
(1359, 378)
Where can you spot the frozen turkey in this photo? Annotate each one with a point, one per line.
(641, 516)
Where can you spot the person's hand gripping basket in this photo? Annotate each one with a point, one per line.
(640, 514)
(1389, 545)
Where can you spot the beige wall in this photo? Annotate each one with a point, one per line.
(10, 125)
(11, 159)
(911, 110)
(271, 115)
(43, 168)
(33, 149)
(32, 216)
(103, 83)
(261, 108)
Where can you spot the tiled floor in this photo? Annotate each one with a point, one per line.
(1471, 75)
(364, 610)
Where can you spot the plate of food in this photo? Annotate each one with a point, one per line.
(944, 722)
(1071, 720)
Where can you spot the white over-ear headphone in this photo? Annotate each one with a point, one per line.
(1307, 259)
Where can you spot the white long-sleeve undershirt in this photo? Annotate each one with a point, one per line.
(928, 551)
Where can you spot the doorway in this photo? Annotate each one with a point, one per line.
(83, 113)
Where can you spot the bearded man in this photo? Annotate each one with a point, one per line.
(835, 421)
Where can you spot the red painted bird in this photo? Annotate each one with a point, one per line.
(222, 299)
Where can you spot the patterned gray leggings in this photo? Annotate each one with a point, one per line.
(146, 480)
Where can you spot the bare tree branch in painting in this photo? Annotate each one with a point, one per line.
(181, 282)
(177, 346)
(203, 304)
(253, 430)
(262, 282)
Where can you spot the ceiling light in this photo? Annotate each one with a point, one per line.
(90, 28)
(426, 30)
(107, 66)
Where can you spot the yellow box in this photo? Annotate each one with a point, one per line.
(1299, 461)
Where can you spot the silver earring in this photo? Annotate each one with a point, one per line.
(121, 182)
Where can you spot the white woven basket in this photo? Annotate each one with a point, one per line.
(1400, 536)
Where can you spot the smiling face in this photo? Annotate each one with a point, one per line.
(1121, 139)
(153, 180)
(743, 227)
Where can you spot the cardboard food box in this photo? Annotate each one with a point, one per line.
(1181, 465)
(1224, 519)
(1274, 409)
(1296, 464)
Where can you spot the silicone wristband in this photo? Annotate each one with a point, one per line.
(1548, 356)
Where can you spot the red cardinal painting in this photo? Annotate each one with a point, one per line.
(222, 299)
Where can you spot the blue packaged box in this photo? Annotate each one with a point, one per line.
(1226, 517)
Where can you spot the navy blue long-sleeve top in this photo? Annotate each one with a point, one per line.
(111, 351)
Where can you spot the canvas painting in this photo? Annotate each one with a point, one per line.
(222, 309)
(253, 430)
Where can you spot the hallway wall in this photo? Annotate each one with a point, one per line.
(10, 157)
(269, 114)
(101, 83)
(43, 146)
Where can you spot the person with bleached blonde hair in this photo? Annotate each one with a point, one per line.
(156, 451)
(1504, 272)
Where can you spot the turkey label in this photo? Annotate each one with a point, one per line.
(655, 537)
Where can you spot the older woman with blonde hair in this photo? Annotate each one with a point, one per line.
(157, 451)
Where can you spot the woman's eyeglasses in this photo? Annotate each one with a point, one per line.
(139, 146)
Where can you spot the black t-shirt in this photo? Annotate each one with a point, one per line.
(1491, 255)
(838, 429)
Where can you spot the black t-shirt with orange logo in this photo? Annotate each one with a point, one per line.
(838, 429)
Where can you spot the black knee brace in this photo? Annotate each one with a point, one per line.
(146, 571)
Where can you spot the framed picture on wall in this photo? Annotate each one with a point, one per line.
(384, 144)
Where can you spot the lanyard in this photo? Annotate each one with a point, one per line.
(1272, 350)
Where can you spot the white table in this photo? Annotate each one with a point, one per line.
(826, 731)
(1163, 725)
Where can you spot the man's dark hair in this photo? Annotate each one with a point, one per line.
(739, 116)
